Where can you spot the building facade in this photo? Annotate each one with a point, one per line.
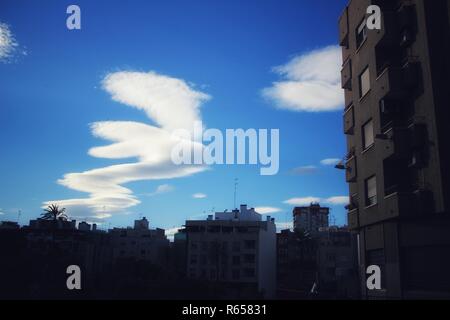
(140, 243)
(311, 218)
(396, 83)
(236, 249)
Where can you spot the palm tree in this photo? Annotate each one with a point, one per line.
(54, 213)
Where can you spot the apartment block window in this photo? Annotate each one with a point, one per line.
(368, 136)
(364, 82)
(249, 258)
(250, 244)
(236, 246)
(236, 260)
(371, 191)
(249, 272)
(361, 33)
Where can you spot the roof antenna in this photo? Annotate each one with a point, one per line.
(235, 190)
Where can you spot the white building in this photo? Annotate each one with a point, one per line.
(235, 248)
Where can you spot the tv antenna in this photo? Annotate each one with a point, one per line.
(235, 190)
(19, 213)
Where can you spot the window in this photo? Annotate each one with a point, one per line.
(371, 191)
(236, 246)
(249, 272)
(364, 82)
(250, 244)
(236, 260)
(368, 137)
(249, 258)
(361, 33)
(235, 274)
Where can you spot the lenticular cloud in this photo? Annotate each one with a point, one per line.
(171, 104)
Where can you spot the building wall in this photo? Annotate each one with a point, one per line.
(411, 195)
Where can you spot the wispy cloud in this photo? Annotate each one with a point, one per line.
(306, 201)
(163, 188)
(199, 196)
(339, 200)
(284, 225)
(171, 104)
(330, 162)
(9, 47)
(304, 170)
(310, 82)
(267, 210)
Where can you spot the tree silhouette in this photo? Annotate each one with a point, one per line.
(54, 213)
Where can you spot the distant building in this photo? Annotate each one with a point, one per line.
(139, 243)
(311, 218)
(337, 262)
(296, 264)
(50, 224)
(9, 225)
(84, 226)
(322, 265)
(141, 224)
(236, 249)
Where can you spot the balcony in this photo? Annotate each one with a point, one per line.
(353, 219)
(350, 169)
(388, 36)
(346, 75)
(394, 144)
(390, 84)
(349, 120)
(408, 204)
(397, 204)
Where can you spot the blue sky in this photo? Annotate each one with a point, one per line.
(52, 87)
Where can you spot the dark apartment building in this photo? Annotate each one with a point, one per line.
(397, 109)
(310, 218)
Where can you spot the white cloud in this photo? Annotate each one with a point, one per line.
(267, 210)
(310, 82)
(171, 103)
(284, 225)
(338, 200)
(163, 188)
(8, 43)
(330, 162)
(305, 201)
(172, 231)
(304, 170)
(199, 196)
